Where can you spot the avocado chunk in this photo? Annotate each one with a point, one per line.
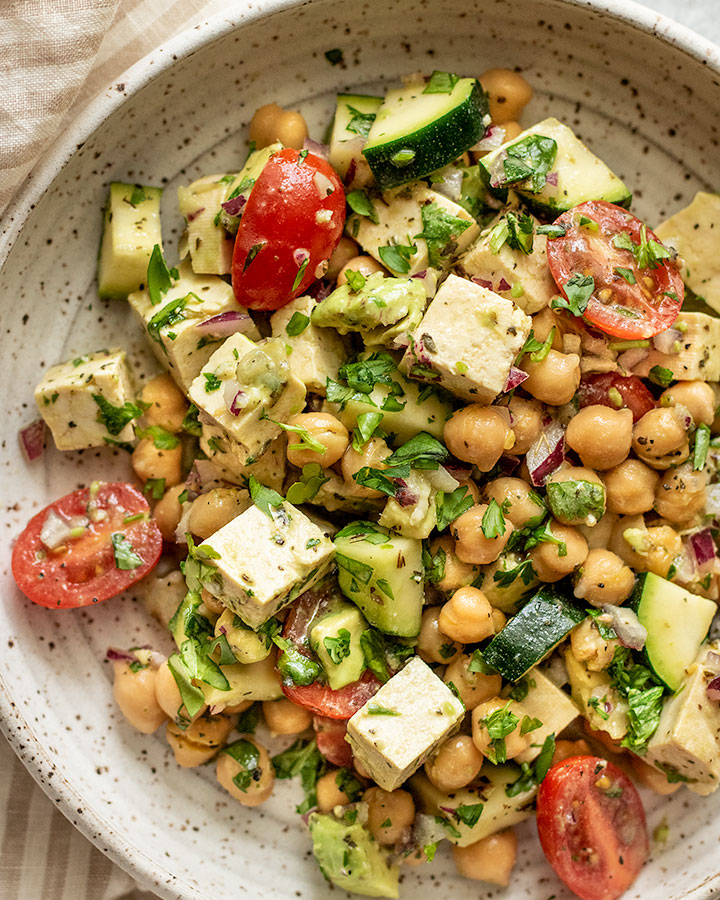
(382, 573)
(248, 646)
(380, 309)
(335, 638)
(576, 502)
(350, 858)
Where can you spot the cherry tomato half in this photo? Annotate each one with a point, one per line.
(592, 827)
(634, 296)
(330, 734)
(119, 546)
(634, 395)
(290, 226)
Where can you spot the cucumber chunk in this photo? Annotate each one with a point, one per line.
(354, 116)
(382, 573)
(566, 175)
(130, 231)
(545, 620)
(416, 132)
(677, 623)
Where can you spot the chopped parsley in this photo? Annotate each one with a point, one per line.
(441, 83)
(338, 648)
(397, 257)
(304, 759)
(247, 756)
(499, 725)
(115, 418)
(161, 438)
(493, 520)
(126, 558)
(159, 276)
(578, 290)
(374, 709)
(529, 160)
(701, 446)
(356, 280)
(300, 274)
(212, 382)
(252, 253)
(361, 122)
(440, 232)
(264, 498)
(360, 203)
(661, 376)
(311, 480)
(155, 488)
(449, 507)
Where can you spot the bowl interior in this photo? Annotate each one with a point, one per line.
(643, 105)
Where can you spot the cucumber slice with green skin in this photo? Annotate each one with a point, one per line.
(382, 573)
(545, 620)
(677, 623)
(575, 175)
(416, 133)
(354, 116)
(131, 229)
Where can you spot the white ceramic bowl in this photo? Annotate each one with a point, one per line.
(641, 90)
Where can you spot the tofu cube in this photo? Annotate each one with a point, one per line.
(551, 705)
(76, 400)
(509, 270)
(266, 561)
(687, 740)
(699, 356)
(400, 221)
(467, 341)
(401, 726)
(173, 326)
(227, 456)
(248, 434)
(316, 354)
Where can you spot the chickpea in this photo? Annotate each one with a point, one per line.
(543, 323)
(432, 644)
(372, 454)
(566, 749)
(599, 535)
(511, 130)
(284, 717)
(554, 379)
(346, 250)
(474, 688)
(696, 396)
(652, 778)
(134, 693)
(273, 123)
(390, 814)
(211, 603)
(515, 743)
(630, 487)
(162, 594)
(490, 859)
(680, 496)
(168, 512)
(590, 647)
(472, 490)
(646, 549)
(526, 422)
(508, 94)
(168, 405)
(455, 573)
(150, 462)
(262, 775)
(577, 474)
(200, 741)
(329, 794)
(168, 696)
(660, 438)
(455, 764)
(478, 435)
(522, 509)
(498, 619)
(467, 616)
(471, 545)
(546, 558)
(601, 436)
(365, 265)
(216, 508)
(604, 578)
(324, 428)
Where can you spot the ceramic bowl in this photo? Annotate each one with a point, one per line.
(642, 91)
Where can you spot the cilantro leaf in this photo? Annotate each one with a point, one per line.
(295, 666)
(247, 756)
(367, 424)
(373, 647)
(578, 291)
(422, 451)
(170, 314)
(499, 725)
(469, 814)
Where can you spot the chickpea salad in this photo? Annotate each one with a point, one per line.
(431, 469)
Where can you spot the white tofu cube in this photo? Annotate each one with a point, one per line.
(551, 705)
(227, 456)
(81, 400)
(467, 341)
(698, 358)
(400, 727)
(316, 354)
(266, 561)
(522, 278)
(400, 221)
(172, 325)
(251, 430)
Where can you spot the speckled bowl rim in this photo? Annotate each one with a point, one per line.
(28, 746)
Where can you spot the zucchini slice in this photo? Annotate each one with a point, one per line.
(533, 633)
(354, 116)
(424, 126)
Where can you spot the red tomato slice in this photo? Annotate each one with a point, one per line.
(330, 734)
(628, 300)
(86, 571)
(595, 390)
(290, 226)
(592, 827)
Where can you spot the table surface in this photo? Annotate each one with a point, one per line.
(41, 856)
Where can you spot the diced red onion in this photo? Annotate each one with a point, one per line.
(508, 464)
(666, 341)
(404, 496)
(493, 138)
(227, 323)
(420, 274)
(352, 168)
(713, 689)
(320, 289)
(546, 454)
(631, 358)
(703, 546)
(626, 625)
(483, 282)
(515, 378)
(233, 207)
(115, 655)
(300, 255)
(460, 471)
(236, 399)
(552, 178)
(323, 185)
(195, 214)
(317, 149)
(503, 286)
(32, 440)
